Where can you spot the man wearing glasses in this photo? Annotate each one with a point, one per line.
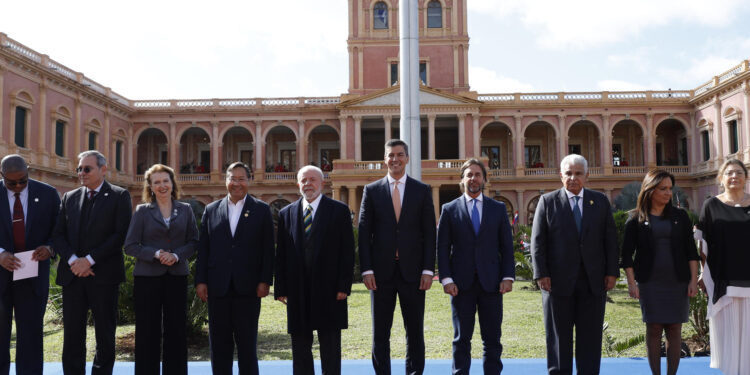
(28, 210)
(89, 234)
(234, 271)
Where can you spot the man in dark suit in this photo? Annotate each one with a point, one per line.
(314, 262)
(234, 271)
(475, 259)
(28, 210)
(397, 248)
(89, 234)
(575, 255)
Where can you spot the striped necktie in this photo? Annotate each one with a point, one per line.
(307, 221)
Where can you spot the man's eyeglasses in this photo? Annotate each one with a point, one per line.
(12, 184)
(85, 169)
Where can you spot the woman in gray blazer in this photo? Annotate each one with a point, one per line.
(162, 236)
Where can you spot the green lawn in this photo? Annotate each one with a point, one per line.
(523, 331)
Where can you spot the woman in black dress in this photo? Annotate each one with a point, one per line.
(661, 263)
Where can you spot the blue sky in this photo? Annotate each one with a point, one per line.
(240, 49)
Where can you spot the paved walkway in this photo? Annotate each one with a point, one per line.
(610, 366)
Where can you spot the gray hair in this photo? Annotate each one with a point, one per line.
(100, 159)
(13, 163)
(309, 168)
(574, 159)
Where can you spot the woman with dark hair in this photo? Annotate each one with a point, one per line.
(725, 226)
(661, 263)
(162, 236)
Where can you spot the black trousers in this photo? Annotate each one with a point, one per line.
(79, 296)
(233, 319)
(584, 311)
(330, 352)
(160, 304)
(489, 306)
(383, 302)
(21, 297)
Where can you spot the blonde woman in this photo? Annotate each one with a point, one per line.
(725, 226)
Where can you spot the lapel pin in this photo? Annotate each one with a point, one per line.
(591, 203)
(645, 223)
(36, 200)
(106, 194)
(247, 213)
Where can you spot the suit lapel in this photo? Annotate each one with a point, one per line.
(386, 191)
(5, 209)
(245, 213)
(588, 212)
(463, 214)
(322, 216)
(100, 201)
(567, 212)
(153, 207)
(32, 202)
(224, 216)
(296, 217)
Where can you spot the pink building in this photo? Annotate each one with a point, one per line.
(49, 113)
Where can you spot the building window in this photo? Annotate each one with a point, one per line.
(734, 142)
(422, 73)
(92, 141)
(60, 138)
(20, 137)
(533, 156)
(434, 15)
(118, 155)
(574, 149)
(706, 145)
(380, 15)
(394, 74)
(492, 153)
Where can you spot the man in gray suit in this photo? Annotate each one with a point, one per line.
(575, 255)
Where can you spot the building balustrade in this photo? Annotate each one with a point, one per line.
(542, 172)
(637, 170)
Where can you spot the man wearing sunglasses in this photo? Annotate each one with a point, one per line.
(28, 210)
(89, 234)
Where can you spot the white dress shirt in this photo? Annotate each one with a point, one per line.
(572, 201)
(24, 197)
(234, 212)
(314, 205)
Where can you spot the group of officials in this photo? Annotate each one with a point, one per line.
(573, 246)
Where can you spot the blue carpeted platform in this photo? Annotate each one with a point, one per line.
(610, 366)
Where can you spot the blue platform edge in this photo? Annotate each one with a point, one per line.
(610, 366)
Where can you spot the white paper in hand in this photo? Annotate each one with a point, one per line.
(29, 268)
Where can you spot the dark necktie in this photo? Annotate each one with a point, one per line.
(19, 229)
(91, 194)
(307, 221)
(577, 213)
(475, 217)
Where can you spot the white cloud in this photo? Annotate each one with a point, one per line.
(484, 80)
(699, 71)
(586, 23)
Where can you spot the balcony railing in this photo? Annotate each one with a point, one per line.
(280, 176)
(681, 169)
(638, 170)
(682, 96)
(202, 177)
(541, 172)
(505, 172)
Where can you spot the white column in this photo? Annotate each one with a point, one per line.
(606, 142)
(358, 138)
(518, 145)
(257, 142)
(343, 140)
(301, 144)
(562, 139)
(431, 136)
(718, 132)
(745, 120)
(650, 141)
(174, 143)
(462, 136)
(215, 143)
(519, 207)
(387, 127)
(475, 134)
